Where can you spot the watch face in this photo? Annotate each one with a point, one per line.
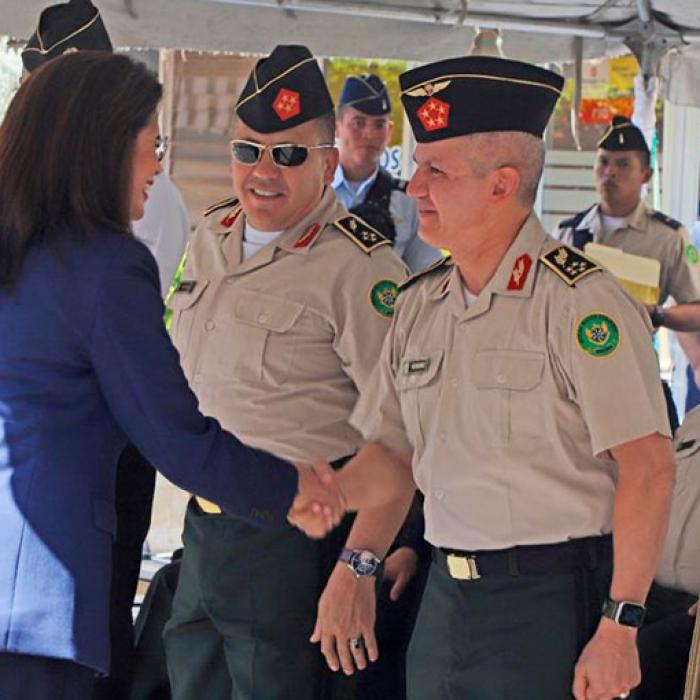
(364, 563)
(631, 615)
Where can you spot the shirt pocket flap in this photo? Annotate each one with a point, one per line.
(266, 311)
(418, 371)
(687, 447)
(517, 370)
(187, 294)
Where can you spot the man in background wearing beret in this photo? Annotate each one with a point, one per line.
(279, 317)
(520, 381)
(623, 220)
(363, 129)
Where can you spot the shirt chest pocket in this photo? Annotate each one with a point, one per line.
(508, 394)
(418, 382)
(266, 336)
(183, 304)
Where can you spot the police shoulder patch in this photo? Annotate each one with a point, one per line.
(672, 223)
(425, 271)
(568, 264)
(361, 233)
(382, 297)
(597, 335)
(223, 204)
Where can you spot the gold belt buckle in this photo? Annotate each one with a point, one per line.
(207, 506)
(462, 567)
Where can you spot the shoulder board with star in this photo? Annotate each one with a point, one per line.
(568, 264)
(223, 204)
(361, 233)
(575, 220)
(437, 265)
(672, 223)
(398, 184)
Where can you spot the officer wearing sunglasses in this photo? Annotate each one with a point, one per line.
(279, 318)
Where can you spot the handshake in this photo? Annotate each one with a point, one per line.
(373, 478)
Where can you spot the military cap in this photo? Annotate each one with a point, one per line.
(622, 135)
(71, 26)
(474, 94)
(284, 90)
(366, 93)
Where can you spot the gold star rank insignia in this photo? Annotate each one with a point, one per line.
(361, 233)
(568, 264)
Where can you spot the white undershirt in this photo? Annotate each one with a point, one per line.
(254, 240)
(469, 298)
(612, 223)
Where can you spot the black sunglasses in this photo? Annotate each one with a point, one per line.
(285, 155)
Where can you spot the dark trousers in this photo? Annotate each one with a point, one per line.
(150, 681)
(671, 409)
(505, 636)
(385, 679)
(664, 644)
(133, 501)
(25, 677)
(244, 610)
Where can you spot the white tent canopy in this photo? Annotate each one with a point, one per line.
(418, 30)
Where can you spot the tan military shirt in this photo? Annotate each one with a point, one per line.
(511, 404)
(652, 235)
(679, 566)
(278, 346)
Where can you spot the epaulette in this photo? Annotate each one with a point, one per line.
(228, 202)
(425, 271)
(361, 233)
(569, 264)
(672, 223)
(575, 220)
(398, 184)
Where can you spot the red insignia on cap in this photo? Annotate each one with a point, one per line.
(308, 236)
(287, 104)
(518, 274)
(434, 114)
(230, 219)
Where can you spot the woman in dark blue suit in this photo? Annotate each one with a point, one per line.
(85, 362)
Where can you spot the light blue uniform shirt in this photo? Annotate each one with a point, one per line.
(408, 245)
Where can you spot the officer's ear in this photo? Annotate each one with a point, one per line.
(505, 182)
(331, 156)
(389, 130)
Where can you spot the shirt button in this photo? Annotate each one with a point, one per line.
(262, 318)
(442, 437)
(210, 325)
(455, 382)
(501, 378)
(439, 494)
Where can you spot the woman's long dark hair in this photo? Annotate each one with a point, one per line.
(66, 148)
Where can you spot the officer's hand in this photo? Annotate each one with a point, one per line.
(319, 505)
(346, 612)
(400, 567)
(609, 664)
(693, 609)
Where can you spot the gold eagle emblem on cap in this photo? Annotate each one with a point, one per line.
(428, 90)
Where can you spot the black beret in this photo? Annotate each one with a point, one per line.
(284, 90)
(475, 94)
(71, 26)
(622, 135)
(366, 93)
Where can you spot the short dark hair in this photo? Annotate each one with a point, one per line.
(66, 148)
(326, 127)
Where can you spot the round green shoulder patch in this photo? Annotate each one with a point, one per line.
(597, 335)
(383, 297)
(691, 254)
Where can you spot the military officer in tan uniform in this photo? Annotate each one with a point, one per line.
(279, 319)
(623, 220)
(520, 382)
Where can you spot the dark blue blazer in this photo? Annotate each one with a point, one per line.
(85, 362)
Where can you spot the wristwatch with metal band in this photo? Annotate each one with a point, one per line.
(361, 562)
